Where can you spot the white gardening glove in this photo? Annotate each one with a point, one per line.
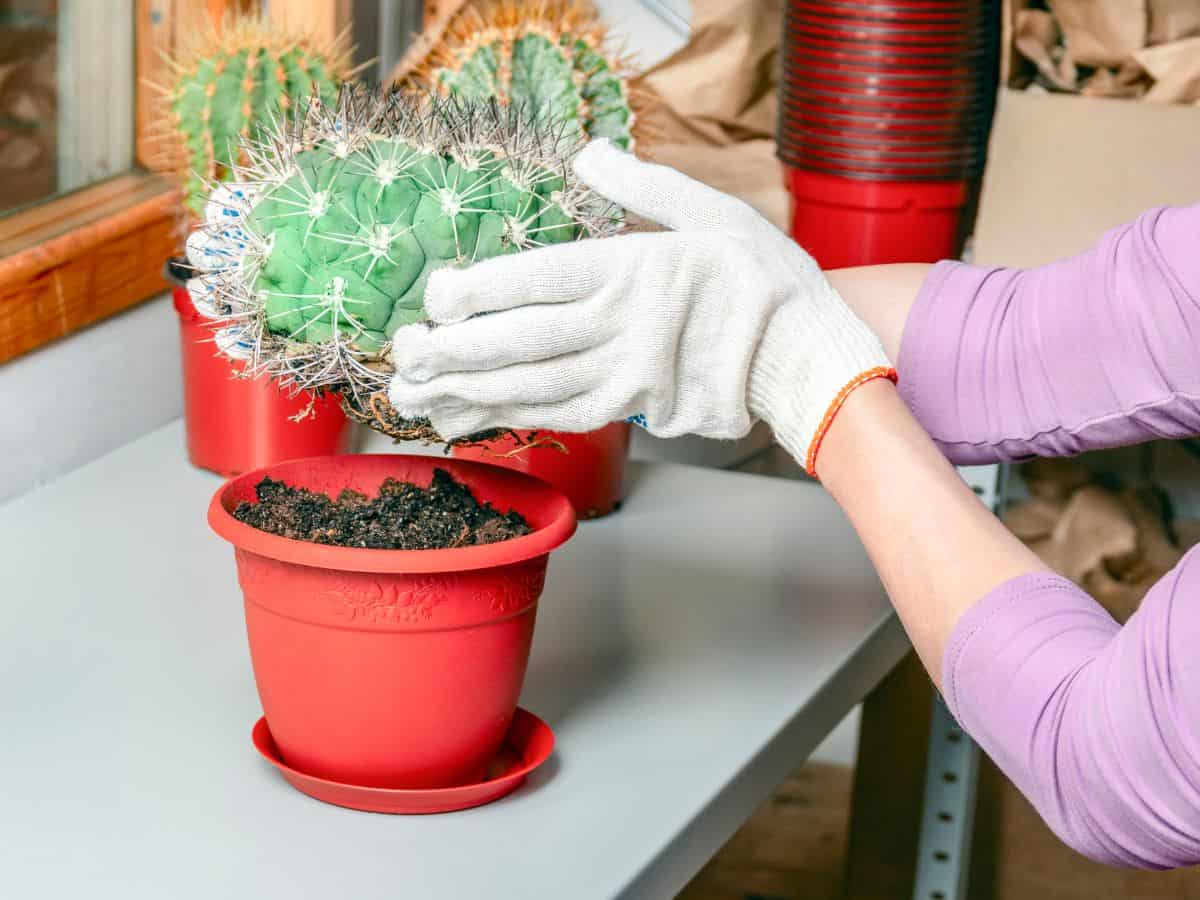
(693, 330)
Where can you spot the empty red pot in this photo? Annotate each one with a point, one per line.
(591, 471)
(851, 222)
(391, 668)
(236, 424)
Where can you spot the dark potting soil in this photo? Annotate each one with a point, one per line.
(403, 516)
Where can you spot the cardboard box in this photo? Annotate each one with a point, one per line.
(1063, 168)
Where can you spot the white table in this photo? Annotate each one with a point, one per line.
(690, 651)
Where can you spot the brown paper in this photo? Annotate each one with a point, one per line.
(748, 170)
(1127, 82)
(1102, 32)
(1129, 49)
(1114, 544)
(1037, 37)
(1175, 68)
(719, 89)
(1172, 20)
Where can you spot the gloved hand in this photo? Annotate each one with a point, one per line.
(692, 330)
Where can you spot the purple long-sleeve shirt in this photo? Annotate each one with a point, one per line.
(1097, 724)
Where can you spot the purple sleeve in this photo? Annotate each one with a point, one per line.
(1098, 350)
(1098, 725)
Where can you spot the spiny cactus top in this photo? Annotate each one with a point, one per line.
(547, 55)
(230, 81)
(321, 248)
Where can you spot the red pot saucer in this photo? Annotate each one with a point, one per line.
(528, 744)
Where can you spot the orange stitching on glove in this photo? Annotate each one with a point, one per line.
(810, 463)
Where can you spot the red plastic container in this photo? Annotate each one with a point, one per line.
(889, 14)
(795, 117)
(391, 668)
(880, 138)
(885, 155)
(850, 222)
(953, 38)
(234, 424)
(591, 472)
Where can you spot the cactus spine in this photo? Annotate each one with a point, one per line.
(230, 81)
(340, 218)
(549, 56)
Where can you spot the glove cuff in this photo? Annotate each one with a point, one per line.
(811, 358)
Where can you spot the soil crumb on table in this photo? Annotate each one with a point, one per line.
(403, 517)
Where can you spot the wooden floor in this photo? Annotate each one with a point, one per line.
(794, 849)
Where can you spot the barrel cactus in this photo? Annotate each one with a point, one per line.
(320, 249)
(229, 82)
(551, 56)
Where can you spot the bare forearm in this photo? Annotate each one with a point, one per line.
(936, 547)
(882, 297)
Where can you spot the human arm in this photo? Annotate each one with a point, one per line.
(1097, 724)
(1024, 674)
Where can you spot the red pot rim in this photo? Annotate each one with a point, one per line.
(861, 116)
(888, 8)
(952, 36)
(840, 85)
(934, 175)
(557, 525)
(918, 17)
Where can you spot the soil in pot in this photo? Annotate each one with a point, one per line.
(403, 516)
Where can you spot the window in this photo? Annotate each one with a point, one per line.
(66, 111)
(85, 229)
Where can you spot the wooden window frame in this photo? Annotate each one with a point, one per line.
(76, 259)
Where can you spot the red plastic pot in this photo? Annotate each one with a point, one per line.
(883, 153)
(591, 472)
(853, 222)
(391, 668)
(236, 424)
(800, 53)
(854, 11)
(839, 85)
(880, 139)
(792, 116)
(901, 79)
(956, 112)
(950, 37)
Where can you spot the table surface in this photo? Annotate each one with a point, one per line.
(690, 652)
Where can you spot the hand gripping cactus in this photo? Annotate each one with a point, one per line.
(546, 55)
(321, 248)
(231, 80)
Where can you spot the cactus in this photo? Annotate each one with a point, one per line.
(230, 81)
(322, 248)
(548, 55)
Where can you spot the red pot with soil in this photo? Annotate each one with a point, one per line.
(589, 468)
(238, 424)
(390, 668)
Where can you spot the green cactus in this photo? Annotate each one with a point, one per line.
(547, 56)
(348, 212)
(232, 81)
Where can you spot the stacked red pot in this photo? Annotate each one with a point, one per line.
(884, 113)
